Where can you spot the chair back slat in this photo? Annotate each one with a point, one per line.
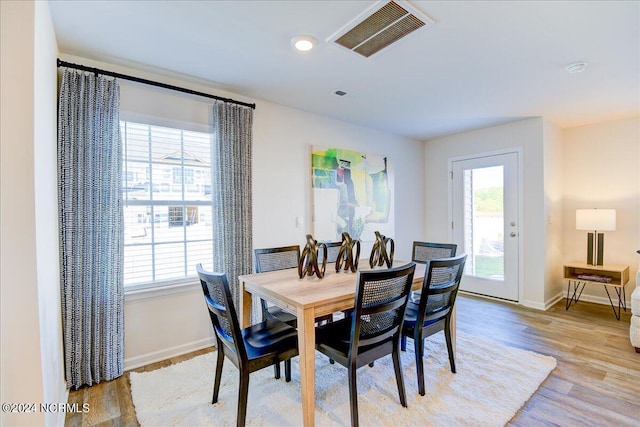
(333, 249)
(217, 295)
(381, 300)
(271, 259)
(424, 251)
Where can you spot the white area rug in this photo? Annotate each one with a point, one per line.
(492, 382)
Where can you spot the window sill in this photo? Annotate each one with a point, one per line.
(158, 290)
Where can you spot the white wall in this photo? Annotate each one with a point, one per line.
(553, 210)
(46, 205)
(527, 134)
(601, 170)
(32, 364)
(160, 326)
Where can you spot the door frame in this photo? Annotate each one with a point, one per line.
(520, 186)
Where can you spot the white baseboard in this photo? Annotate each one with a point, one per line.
(156, 356)
(534, 304)
(559, 296)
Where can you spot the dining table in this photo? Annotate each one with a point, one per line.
(308, 298)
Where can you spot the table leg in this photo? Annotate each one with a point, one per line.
(307, 350)
(245, 306)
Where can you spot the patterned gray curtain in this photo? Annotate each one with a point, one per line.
(231, 160)
(91, 227)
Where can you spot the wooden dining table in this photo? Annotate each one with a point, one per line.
(309, 298)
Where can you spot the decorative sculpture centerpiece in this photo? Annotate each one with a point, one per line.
(345, 255)
(379, 254)
(308, 264)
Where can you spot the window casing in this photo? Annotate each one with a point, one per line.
(167, 203)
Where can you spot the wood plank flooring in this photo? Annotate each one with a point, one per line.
(596, 382)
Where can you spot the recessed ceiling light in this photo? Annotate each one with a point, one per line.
(303, 43)
(577, 67)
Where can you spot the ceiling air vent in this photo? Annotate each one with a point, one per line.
(379, 27)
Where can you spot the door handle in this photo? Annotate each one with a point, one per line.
(513, 234)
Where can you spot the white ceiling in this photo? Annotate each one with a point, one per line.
(482, 63)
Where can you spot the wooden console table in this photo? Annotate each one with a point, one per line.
(578, 274)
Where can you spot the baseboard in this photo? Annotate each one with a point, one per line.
(559, 297)
(156, 356)
(535, 304)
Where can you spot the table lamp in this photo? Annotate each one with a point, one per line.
(595, 220)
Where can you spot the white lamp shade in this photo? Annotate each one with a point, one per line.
(596, 219)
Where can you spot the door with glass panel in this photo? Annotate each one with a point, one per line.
(485, 223)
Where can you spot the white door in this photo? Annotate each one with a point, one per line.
(485, 223)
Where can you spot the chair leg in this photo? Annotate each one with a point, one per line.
(399, 378)
(216, 384)
(419, 352)
(403, 343)
(287, 370)
(276, 370)
(447, 335)
(242, 399)
(353, 396)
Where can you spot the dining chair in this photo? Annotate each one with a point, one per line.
(249, 349)
(333, 249)
(280, 258)
(424, 251)
(433, 312)
(374, 328)
(272, 259)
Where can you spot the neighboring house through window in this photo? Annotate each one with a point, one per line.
(167, 203)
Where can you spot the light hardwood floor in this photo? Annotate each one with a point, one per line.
(596, 382)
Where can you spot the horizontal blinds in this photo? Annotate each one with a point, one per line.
(167, 203)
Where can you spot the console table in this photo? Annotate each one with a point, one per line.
(579, 274)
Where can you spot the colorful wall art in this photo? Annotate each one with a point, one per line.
(352, 192)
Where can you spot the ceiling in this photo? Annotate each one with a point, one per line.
(480, 64)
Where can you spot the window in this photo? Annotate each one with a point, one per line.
(167, 203)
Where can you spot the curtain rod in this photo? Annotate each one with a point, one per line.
(150, 82)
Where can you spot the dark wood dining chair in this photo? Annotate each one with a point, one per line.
(423, 252)
(249, 349)
(333, 249)
(433, 312)
(374, 328)
(280, 258)
(272, 259)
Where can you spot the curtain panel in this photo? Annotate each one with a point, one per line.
(232, 196)
(91, 227)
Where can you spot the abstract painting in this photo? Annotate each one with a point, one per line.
(353, 193)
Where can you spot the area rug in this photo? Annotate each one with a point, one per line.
(492, 382)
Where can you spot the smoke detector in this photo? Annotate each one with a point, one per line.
(577, 67)
(380, 26)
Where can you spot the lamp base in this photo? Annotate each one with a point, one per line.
(600, 240)
(595, 248)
